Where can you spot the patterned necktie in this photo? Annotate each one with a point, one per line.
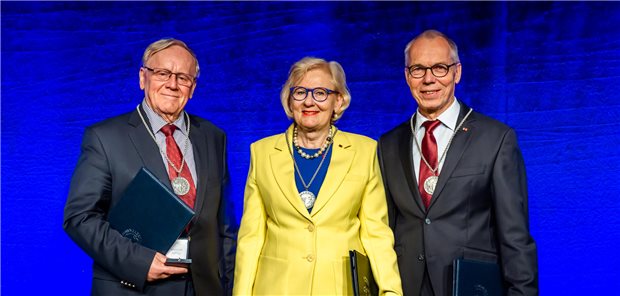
(175, 156)
(429, 151)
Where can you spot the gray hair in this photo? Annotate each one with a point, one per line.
(431, 34)
(162, 44)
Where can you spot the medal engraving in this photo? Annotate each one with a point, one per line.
(179, 249)
(308, 198)
(430, 183)
(180, 186)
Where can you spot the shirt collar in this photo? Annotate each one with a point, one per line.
(448, 118)
(157, 122)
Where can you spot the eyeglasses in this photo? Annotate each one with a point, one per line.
(165, 74)
(319, 94)
(438, 70)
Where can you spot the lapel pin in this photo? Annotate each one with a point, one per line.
(465, 129)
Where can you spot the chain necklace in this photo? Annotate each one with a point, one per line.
(307, 196)
(180, 185)
(431, 182)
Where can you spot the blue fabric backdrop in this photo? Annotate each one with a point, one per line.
(549, 69)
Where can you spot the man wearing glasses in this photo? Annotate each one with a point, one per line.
(455, 182)
(183, 151)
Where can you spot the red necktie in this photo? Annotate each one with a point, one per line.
(175, 156)
(429, 150)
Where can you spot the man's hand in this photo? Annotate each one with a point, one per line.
(160, 271)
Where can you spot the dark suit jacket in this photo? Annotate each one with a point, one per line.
(478, 210)
(112, 153)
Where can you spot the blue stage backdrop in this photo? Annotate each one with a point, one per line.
(550, 70)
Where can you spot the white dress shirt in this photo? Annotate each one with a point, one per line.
(442, 134)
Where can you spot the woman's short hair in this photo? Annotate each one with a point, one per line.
(162, 44)
(301, 68)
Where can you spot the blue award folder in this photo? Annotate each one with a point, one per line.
(361, 275)
(473, 277)
(149, 213)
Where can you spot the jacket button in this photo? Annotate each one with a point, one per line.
(310, 258)
(420, 257)
(310, 228)
(427, 221)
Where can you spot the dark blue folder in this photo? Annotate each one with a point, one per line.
(473, 278)
(362, 280)
(149, 213)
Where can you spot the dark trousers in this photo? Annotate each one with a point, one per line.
(182, 286)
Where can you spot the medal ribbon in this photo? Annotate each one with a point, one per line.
(429, 151)
(175, 156)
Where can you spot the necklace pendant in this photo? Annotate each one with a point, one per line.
(430, 183)
(308, 198)
(180, 186)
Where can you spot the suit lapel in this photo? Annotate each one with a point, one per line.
(201, 155)
(147, 148)
(341, 160)
(406, 155)
(284, 173)
(152, 159)
(455, 152)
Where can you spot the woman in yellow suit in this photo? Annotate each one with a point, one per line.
(312, 194)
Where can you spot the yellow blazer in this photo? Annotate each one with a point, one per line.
(284, 250)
